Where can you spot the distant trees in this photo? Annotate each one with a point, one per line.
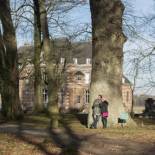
(8, 68)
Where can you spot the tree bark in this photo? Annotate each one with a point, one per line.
(50, 60)
(38, 97)
(107, 55)
(2, 59)
(11, 107)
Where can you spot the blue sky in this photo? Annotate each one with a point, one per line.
(143, 6)
(81, 15)
(139, 8)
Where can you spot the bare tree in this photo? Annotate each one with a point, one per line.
(10, 97)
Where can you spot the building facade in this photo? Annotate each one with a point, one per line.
(74, 93)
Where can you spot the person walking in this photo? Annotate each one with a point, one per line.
(104, 111)
(96, 111)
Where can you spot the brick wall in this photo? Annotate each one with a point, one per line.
(127, 96)
(74, 93)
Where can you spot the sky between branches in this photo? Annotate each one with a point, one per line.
(81, 15)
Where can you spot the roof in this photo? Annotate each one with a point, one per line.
(63, 49)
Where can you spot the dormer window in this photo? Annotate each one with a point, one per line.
(44, 76)
(79, 76)
(78, 99)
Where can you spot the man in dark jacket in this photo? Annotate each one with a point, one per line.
(104, 111)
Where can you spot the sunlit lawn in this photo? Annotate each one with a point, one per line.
(25, 144)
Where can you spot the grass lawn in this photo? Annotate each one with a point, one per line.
(33, 136)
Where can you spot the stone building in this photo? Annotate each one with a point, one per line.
(74, 93)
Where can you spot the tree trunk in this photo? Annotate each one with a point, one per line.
(38, 97)
(107, 55)
(11, 107)
(50, 67)
(2, 60)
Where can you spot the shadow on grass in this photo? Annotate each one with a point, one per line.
(65, 138)
(30, 141)
(69, 142)
(79, 116)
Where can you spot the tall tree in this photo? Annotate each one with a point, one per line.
(38, 99)
(50, 61)
(10, 97)
(2, 60)
(107, 55)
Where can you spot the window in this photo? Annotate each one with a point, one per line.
(78, 77)
(62, 60)
(45, 96)
(87, 96)
(88, 61)
(44, 76)
(78, 99)
(127, 96)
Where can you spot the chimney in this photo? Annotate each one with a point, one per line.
(75, 60)
(88, 61)
(123, 80)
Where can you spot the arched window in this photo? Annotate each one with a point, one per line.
(78, 99)
(45, 95)
(79, 76)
